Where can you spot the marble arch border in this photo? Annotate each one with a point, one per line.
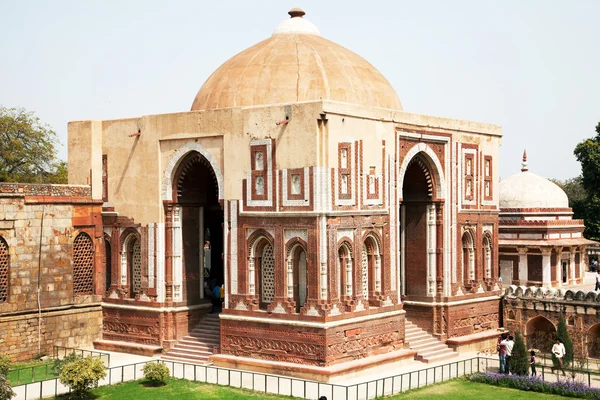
(169, 171)
(438, 171)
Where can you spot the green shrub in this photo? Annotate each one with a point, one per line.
(5, 363)
(562, 333)
(6, 392)
(82, 375)
(519, 360)
(156, 372)
(59, 364)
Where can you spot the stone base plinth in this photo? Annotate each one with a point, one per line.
(127, 347)
(310, 372)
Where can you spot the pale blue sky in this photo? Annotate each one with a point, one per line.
(530, 66)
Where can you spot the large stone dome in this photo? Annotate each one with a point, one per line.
(295, 64)
(527, 190)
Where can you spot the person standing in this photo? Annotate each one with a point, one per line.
(559, 352)
(532, 363)
(597, 280)
(508, 345)
(501, 348)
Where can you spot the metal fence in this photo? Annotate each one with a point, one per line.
(60, 352)
(46, 371)
(288, 386)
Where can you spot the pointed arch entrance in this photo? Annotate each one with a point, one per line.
(421, 224)
(197, 229)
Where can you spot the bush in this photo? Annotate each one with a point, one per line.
(536, 384)
(5, 363)
(562, 333)
(6, 392)
(82, 375)
(519, 361)
(156, 372)
(59, 364)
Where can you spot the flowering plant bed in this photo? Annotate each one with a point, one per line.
(535, 384)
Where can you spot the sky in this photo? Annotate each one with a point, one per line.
(531, 66)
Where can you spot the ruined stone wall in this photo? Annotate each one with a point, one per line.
(71, 327)
(535, 312)
(38, 226)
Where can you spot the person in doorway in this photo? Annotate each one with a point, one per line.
(508, 345)
(597, 280)
(532, 363)
(501, 351)
(559, 352)
(216, 299)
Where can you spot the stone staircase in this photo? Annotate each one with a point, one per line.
(429, 349)
(197, 347)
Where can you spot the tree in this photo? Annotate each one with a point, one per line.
(519, 360)
(576, 193)
(562, 333)
(27, 148)
(588, 154)
(82, 375)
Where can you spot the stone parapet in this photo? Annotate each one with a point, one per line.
(32, 189)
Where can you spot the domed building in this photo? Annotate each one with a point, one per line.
(539, 242)
(335, 221)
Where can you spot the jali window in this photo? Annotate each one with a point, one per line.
(83, 265)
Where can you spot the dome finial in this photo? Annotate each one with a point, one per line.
(524, 167)
(296, 12)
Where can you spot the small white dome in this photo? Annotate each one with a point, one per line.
(527, 190)
(296, 24)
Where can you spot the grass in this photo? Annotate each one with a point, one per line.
(32, 371)
(180, 389)
(461, 389)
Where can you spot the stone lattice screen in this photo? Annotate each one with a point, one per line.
(83, 265)
(3, 270)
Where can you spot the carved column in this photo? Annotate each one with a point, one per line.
(431, 250)
(439, 225)
(522, 278)
(290, 278)
(546, 265)
(377, 273)
(571, 275)
(168, 251)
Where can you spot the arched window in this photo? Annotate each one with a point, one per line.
(83, 265)
(108, 263)
(345, 268)
(468, 259)
(131, 264)
(487, 255)
(297, 278)
(261, 272)
(4, 270)
(371, 260)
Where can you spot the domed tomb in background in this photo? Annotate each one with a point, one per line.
(528, 190)
(539, 244)
(295, 64)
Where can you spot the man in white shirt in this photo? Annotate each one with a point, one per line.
(508, 345)
(558, 349)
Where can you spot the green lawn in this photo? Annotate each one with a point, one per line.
(182, 389)
(33, 371)
(460, 389)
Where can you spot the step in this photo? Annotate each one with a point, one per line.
(441, 357)
(429, 347)
(196, 346)
(436, 352)
(185, 360)
(197, 339)
(186, 352)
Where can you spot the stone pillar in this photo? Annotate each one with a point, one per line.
(349, 277)
(546, 265)
(377, 273)
(290, 278)
(177, 255)
(571, 274)
(522, 278)
(251, 276)
(439, 248)
(431, 249)
(168, 252)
